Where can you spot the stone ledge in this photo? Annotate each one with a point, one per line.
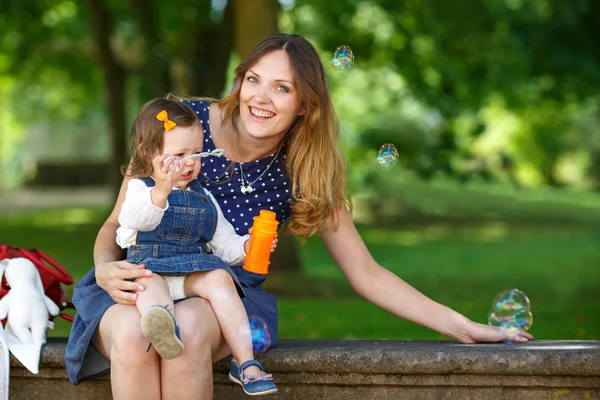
(369, 369)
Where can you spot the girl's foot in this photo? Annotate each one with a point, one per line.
(161, 330)
(253, 385)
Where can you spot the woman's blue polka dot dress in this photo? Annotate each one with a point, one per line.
(271, 184)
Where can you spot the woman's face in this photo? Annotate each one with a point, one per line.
(269, 98)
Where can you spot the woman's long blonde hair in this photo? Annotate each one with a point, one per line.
(314, 162)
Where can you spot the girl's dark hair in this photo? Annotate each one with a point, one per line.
(147, 133)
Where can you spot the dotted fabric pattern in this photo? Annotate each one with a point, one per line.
(272, 191)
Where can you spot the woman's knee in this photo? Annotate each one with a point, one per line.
(199, 328)
(129, 345)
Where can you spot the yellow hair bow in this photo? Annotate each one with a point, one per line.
(164, 117)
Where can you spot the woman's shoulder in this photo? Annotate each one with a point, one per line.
(200, 106)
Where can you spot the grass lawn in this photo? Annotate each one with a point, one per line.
(460, 265)
(463, 269)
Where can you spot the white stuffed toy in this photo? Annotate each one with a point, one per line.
(26, 305)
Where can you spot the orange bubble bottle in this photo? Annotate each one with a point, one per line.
(264, 230)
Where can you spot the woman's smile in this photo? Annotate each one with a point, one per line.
(261, 113)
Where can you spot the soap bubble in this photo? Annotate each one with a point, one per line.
(512, 299)
(387, 156)
(343, 58)
(261, 339)
(510, 332)
(511, 312)
(519, 318)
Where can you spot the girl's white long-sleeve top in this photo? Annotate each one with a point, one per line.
(138, 213)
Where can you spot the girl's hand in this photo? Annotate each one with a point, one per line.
(117, 279)
(475, 332)
(247, 243)
(274, 244)
(164, 172)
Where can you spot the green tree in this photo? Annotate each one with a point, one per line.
(454, 56)
(46, 72)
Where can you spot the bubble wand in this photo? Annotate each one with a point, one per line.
(215, 152)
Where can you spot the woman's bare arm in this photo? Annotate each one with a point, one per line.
(389, 292)
(112, 273)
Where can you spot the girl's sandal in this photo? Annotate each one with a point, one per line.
(252, 385)
(161, 330)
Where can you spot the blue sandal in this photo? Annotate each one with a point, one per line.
(161, 330)
(252, 385)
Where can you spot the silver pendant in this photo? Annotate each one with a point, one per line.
(247, 189)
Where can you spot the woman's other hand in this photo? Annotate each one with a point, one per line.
(117, 278)
(474, 332)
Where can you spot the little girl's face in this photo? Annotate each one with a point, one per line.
(182, 142)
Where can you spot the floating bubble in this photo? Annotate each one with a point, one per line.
(343, 58)
(511, 313)
(511, 318)
(387, 156)
(261, 339)
(512, 299)
(510, 332)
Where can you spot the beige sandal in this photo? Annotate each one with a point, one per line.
(161, 330)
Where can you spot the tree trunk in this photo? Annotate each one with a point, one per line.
(156, 67)
(594, 170)
(199, 65)
(286, 259)
(114, 77)
(254, 21)
(547, 169)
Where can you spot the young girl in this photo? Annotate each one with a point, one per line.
(171, 224)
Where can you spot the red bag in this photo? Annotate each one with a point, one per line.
(51, 272)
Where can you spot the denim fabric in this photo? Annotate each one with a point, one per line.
(258, 302)
(91, 302)
(177, 248)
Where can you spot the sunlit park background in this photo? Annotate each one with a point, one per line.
(492, 105)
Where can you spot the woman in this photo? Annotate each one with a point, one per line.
(280, 133)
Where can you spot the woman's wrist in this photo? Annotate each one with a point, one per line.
(463, 330)
(100, 273)
(458, 327)
(102, 266)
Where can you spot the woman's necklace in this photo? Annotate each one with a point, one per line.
(246, 184)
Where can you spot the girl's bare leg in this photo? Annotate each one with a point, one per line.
(218, 288)
(156, 292)
(158, 325)
(189, 376)
(134, 373)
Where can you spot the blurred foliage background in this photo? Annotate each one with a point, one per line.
(493, 106)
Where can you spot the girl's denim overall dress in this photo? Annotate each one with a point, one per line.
(177, 246)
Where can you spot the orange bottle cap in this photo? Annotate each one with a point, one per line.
(265, 222)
